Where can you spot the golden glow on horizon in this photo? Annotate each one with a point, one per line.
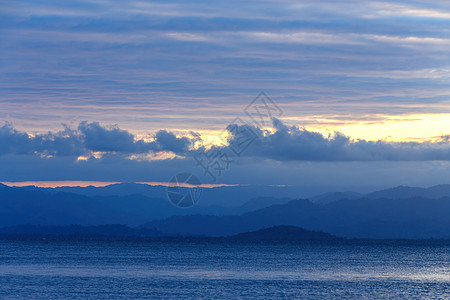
(407, 128)
(370, 127)
(417, 127)
(395, 128)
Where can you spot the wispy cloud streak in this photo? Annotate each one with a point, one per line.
(97, 60)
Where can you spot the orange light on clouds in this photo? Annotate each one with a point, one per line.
(68, 183)
(53, 184)
(187, 185)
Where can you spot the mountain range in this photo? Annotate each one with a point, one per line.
(400, 212)
(360, 218)
(89, 206)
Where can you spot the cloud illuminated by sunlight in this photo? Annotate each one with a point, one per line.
(403, 128)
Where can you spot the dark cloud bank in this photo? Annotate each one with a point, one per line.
(283, 144)
(87, 138)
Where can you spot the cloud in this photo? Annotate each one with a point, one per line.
(284, 143)
(290, 143)
(13, 141)
(285, 155)
(98, 138)
(86, 139)
(167, 141)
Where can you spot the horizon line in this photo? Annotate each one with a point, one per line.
(82, 183)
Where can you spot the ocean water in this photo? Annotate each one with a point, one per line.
(214, 270)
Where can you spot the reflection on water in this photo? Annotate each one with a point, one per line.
(117, 269)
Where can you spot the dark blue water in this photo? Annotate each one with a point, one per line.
(202, 270)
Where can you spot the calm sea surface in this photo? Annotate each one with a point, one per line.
(205, 270)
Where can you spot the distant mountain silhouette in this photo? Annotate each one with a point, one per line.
(22, 206)
(260, 202)
(53, 207)
(284, 234)
(238, 196)
(362, 218)
(119, 189)
(225, 196)
(71, 230)
(335, 196)
(18, 206)
(235, 199)
(401, 212)
(402, 192)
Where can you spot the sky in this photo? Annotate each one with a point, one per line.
(139, 90)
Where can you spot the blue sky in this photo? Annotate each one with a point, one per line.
(376, 71)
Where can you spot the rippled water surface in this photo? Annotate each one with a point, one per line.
(184, 270)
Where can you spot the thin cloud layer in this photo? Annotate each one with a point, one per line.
(154, 64)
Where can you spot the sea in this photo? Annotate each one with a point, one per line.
(189, 269)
